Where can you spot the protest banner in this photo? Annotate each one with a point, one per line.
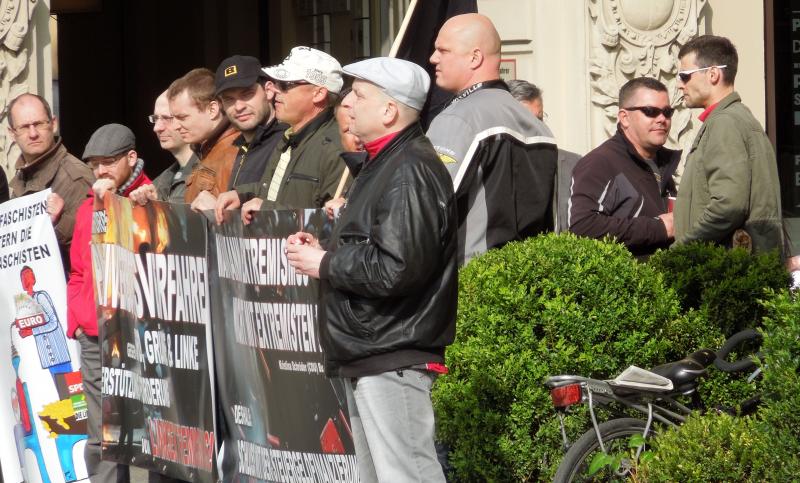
(282, 419)
(152, 290)
(42, 406)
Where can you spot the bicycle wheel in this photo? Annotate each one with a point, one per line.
(615, 434)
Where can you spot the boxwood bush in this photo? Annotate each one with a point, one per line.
(765, 447)
(555, 304)
(725, 285)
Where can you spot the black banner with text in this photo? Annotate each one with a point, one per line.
(152, 288)
(281, 419)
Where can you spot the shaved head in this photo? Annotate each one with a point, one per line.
(476, 31)
(467, 52)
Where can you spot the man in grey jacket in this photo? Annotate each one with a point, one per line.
(730, 193)
(502, 159)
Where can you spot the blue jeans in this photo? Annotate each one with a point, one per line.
(391, 416)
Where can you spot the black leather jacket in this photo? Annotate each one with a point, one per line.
(390, 279)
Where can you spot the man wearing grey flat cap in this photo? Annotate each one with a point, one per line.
(111, 153)
(305, 168)
(389, 276)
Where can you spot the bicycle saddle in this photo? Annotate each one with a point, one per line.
(687, 369)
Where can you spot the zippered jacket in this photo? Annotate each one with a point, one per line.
(730, 182)
(616, 193)
(502, 161)
(389, 279)
(314, 168)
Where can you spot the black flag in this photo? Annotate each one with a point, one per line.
(417, 43)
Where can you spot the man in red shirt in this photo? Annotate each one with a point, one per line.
(111, 153)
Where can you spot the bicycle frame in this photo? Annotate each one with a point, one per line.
(658, 406)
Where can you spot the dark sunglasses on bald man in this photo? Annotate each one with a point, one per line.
(653, 112)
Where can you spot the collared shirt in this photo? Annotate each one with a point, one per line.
(704, 115)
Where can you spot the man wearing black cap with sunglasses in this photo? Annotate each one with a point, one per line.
(621, 188)
(730, 193)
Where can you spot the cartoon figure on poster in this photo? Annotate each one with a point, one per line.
(64, 419)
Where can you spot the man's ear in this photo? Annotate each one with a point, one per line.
(715, 76)
(213, 109)
(320, 94)
(270, 93)
(477, 58)
(390, 112)
(622, 117)
(132, 158)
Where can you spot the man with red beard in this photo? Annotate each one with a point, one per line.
(621, 188)
(111, 153)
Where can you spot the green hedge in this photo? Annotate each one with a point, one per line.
(555, 304)
(725, 285)
(761, 448)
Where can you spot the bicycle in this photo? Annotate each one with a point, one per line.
(653, 393)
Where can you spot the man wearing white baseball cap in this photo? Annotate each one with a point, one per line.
(389, 276)
(304, 169)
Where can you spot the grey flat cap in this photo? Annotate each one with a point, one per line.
(109, 140)
(402, 80)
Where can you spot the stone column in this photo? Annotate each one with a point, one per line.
(25, 63)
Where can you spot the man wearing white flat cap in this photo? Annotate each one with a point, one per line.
(389, 276)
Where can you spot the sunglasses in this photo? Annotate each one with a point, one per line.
(653, 112)
(685, 75)
(286, 86)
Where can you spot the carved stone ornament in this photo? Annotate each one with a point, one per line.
(634, 38)
(15, 18)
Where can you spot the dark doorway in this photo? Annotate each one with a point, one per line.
(115, 58)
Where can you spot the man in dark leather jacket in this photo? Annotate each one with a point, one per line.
(389, 276)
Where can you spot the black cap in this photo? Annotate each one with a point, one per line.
(237, 71)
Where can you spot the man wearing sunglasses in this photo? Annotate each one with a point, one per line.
(111, 153)
(621, 188)
(729, 193)
(304, 169)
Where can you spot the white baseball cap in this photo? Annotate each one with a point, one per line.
(400, 79)
(311, 65)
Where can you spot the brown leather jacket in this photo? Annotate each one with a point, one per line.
(67, 175)
(213, 171)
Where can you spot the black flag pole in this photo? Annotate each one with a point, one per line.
(415, 43)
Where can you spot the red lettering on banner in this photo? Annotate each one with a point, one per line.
(185, 445)
(31, 321)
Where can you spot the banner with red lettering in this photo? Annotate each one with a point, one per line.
(42, 406)
(281, 418)
(152, 289)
